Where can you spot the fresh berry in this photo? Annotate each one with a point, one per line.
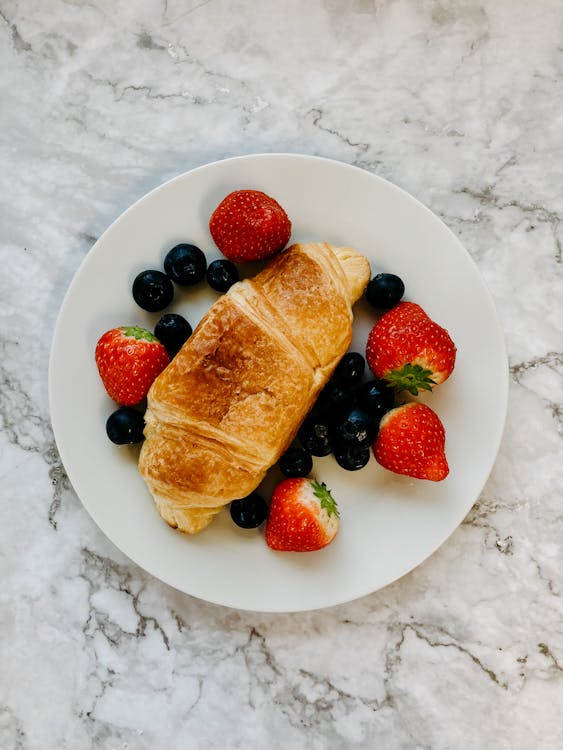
(303, 516)
(296, 463)
(249, 225)
(173, 331)
(185, 264)
(352, 457)
(350, 369)
(221, 275)
(314, 435)
(129, 359)
(153, 290)
(409, 350)
(354, 427)
(249, 512)
(385, 291)
(125, 426)
(334, 398)
(375, 397)
(411, 441)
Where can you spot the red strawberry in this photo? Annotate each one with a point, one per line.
(410, 350)
(129, 359)
(249, 225)
(303, 516)
(411, 441)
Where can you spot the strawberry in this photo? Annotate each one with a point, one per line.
(129, 359)
(411, 441)
(303, 516)
(249, 225)
(410, 350)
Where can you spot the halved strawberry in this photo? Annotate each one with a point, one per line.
(409, 350)
(303, 516)
(129, 359)
(249, 225)
(411, 441)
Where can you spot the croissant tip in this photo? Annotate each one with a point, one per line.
(356, 268)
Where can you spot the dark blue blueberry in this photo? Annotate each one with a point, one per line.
(350, 369)
(354, 427)
(334, 398)
(296, 463)
(314, 435)
(125, 426)
(185, 264)
(173, 331)
(376, 398)
(352, 457)
(153, 290)
(385, 291)
(249, 512)
(221, 275)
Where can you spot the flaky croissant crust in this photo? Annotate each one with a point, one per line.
(231, 401)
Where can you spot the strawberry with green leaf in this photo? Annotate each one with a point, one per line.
(129, 358)
(409, 350)
(303, 516)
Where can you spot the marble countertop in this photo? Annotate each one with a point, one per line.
(458, 102)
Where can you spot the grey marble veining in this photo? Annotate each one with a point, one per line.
(458, 102)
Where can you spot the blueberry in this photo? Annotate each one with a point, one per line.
(173, 331)
(351, 457)
(221, 275)
(385, 291)
(125, 426)
(250, 511)
(314, 435)
(355, 427)
(334, 398)
(350, 369)
(296, 463)
(376, 398)
(185, 264)
(153, 290)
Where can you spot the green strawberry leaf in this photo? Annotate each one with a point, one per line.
(327, 501)
(411, 378)
(138, 333)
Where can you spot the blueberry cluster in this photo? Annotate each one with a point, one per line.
(344, 420)
(185, 265)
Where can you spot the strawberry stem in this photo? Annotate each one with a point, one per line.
(411, 378)
(327, 501)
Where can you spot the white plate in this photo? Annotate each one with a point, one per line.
(389, 523)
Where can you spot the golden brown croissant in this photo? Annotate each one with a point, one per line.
(231, 401)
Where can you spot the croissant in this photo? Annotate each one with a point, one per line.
(231, 401)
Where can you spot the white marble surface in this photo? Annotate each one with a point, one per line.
(460, 103)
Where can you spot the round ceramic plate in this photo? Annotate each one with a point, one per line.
(389, 523)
